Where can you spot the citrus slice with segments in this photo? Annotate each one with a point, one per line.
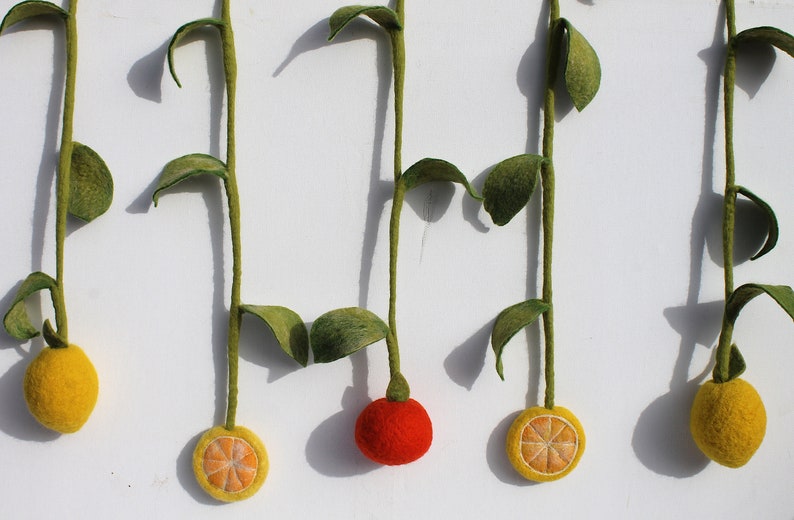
(545, 444)
(230, 465)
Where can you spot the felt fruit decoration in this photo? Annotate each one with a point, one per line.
(230, 462)
(395, 430)
(60, 385)
(61, 388)
(544, 443)
(727, 419)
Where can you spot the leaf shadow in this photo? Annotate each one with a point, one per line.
(331, 449)
(661, 439)
(750, 230)
(145, 77)
(754, 62)
(466, 362)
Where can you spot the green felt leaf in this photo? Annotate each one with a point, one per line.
(582, 66)
(25, 10)
(341, 332)
(509, 322)
(769, 35)
(16, 321)
(381, 15)
(782, 294)
(90, 184)
(774, 230)
(181, 33)
(188, 166)
(52, 338)
(430, 170)
(736, 366)
(287, 326)
(510, 185)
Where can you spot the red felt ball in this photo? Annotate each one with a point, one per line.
(393, 432)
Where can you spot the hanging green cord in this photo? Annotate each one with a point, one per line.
(547, 181)
(398, 65)
(233, 198)
(64, 170)
(729, 202)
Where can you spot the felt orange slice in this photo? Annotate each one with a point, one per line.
(230, 465)
(545, 445)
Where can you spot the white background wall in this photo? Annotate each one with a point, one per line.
(638, 281)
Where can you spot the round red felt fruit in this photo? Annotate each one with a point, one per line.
(393, 432)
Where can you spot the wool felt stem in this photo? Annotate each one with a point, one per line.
(398, 66)
(64, 170)
(729, 201)
(233, 200)
(547, 181)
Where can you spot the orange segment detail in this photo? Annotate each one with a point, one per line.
(230, 464)
(548, 444)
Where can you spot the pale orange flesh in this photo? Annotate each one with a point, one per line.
(548, 444)
(230, 464)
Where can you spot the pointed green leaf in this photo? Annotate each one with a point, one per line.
(90, 184)
(341, 332)
(774, 230)
(769, 35)
(782, 294)
(287, 326)
(188, 166)
(581, 65)
(381, 15)
(430, 170)
(509, 322)
(181, 33)
(24, 10)
(16, 320)
(510, 185)
(736, 366)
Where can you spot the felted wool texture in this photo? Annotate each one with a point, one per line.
(728, 421)
(551, 449)
(61, 388)
(230, 463)
(393, 432)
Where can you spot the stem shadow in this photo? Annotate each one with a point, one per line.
(661, 439)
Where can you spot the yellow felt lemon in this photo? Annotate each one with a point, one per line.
(545, 444)
(728, 421)
(230, 465)
(61, 388)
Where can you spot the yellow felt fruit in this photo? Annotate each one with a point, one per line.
(545, 444)
(728, 421)
(61, 388)
(230, 465)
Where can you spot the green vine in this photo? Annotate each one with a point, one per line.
(729, 361)
(341, 332)
(84, 185)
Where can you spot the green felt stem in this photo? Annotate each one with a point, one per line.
(64, 170)
(233, 198)
(729, 202)
(398, 65)
(547, 181)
